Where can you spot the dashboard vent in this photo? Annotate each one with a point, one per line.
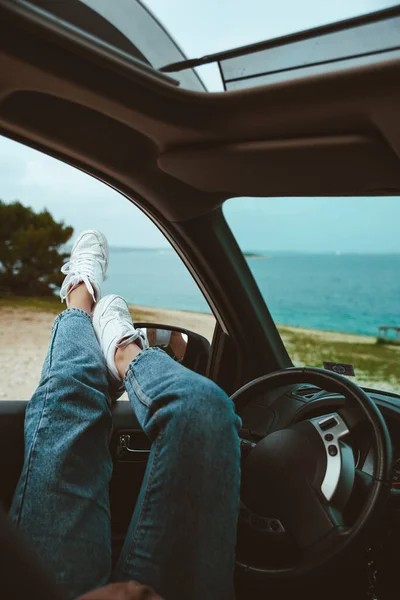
(306, 392)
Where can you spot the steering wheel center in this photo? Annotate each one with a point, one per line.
(283, 478)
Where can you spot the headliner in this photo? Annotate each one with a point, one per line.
(184, 152)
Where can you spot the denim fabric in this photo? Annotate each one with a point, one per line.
(182, 536)
(61, 502)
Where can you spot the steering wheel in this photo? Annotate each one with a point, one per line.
(297, 482)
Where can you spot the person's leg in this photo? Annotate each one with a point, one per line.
(61, 502)
(181, 539)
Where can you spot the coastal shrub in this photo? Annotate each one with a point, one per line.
(30, 251)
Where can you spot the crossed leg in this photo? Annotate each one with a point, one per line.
(182, 535)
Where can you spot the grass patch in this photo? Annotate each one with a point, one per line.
(373, 362)
(52, 304)
(46, 304)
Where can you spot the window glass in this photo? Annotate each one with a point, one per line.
(353, 46)
(160, 32)
(126, 25)
(207, 27)
(143, 268)
(329, 271)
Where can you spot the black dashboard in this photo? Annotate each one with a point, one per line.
(285, 406)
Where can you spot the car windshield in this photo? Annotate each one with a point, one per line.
(328, 269)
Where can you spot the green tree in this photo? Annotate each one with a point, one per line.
(30, 257)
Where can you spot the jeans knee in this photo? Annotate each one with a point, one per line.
(209, 409)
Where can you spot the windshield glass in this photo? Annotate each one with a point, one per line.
(328, 269)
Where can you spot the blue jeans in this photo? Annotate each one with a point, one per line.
(182, 534)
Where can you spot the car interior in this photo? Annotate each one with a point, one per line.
(319, 509)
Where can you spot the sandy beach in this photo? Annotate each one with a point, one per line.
(25, 333)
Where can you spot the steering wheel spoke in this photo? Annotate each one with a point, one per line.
(363, 481)
(338, 520)
(315, 524)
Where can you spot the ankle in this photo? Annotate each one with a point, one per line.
(80, 297)
(124, 357)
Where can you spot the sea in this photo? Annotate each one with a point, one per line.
(335, 292)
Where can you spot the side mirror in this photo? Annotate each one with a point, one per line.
(190, 349)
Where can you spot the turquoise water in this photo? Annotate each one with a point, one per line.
(349, 293)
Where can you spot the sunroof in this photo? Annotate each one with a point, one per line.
(126, 25)
(130, 27)
(300, 57)
(373, 37)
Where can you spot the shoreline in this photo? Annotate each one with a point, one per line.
(187, 315)
(54, 306)
(25, 328)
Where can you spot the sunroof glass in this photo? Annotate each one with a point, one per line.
(281, 59)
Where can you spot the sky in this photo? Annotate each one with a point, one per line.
(312, 225)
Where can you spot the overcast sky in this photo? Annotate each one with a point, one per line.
(359, 225)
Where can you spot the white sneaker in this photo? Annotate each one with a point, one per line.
(88, 264)
(112, 323)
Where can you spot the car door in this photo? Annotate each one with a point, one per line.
(129, 448)
(143, 268)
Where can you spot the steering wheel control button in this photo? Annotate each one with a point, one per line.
(246, 447)
(331, 428)
(265, 524)
(328, 423)
(254, 521)
(275, 525)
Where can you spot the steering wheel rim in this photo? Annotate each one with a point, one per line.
(381, 442)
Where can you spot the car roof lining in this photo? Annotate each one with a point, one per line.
(105, 145)
(342, 165)
(186, 152)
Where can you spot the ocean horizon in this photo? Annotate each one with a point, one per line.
(342, 292)
(252, 251)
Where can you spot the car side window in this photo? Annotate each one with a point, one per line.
(44, 205)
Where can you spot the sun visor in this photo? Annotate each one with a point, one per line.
(341, 165)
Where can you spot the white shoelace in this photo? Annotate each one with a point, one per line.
(78, 269)
(134, 337)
